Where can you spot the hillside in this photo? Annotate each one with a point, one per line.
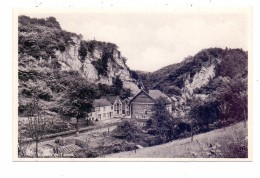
(212, 76)
(195, 71)
(229, 143)
(50, 58)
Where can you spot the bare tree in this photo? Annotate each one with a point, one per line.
(192, 123)
(23, 143)
(37, 126)
(224, 110)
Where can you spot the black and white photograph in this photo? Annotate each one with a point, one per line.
(120, 85)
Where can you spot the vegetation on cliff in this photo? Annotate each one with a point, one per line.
(40, 73)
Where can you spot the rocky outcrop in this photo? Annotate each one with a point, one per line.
(199, 79)
(70, 60)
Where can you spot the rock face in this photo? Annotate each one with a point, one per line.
(70, 60)
(199, 79)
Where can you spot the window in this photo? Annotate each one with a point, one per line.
(112, 107)
(97, 109)
(104, 108)
(104, 115)
(108, 115)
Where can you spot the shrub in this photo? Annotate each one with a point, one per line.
(80, 143)
(87, 153)
(101, 66)
(126, 130)
(117, 149)
(60, 141)
(57, 127)
(134, 74)
(83, 50)
(42, 37)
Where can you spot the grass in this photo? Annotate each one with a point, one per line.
(229, 143)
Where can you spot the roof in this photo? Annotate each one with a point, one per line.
(101, 102)
(130, 98)
(155, 94)
(111, 99)
(142, 91)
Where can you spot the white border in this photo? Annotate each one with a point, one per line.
(130, 169)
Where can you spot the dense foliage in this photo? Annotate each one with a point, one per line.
(126, 130)
(39, 69)
(42, 37)
(77, 101)
(170, 79)
(161, 122)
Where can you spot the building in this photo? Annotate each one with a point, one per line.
(108, 107)
(126, 106)
(102, 109)
(142, 104)
(116, 104)
(139, 107)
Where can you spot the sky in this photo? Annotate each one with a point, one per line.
(150, 40)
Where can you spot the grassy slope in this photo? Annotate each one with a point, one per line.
(228, 143)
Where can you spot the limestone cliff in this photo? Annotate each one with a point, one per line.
(70, 60)
(43, 41)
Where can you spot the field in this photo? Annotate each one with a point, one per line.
(229, 143)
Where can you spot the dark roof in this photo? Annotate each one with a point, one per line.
(155, 94)
(142, 91)
(101, 102)
(130, 98)
(111, 99)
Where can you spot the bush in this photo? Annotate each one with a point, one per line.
(117, 149)
(101, 66)
(126, 130)
(57, 127)
(42, 37)
(60, 141)
(80, 143)
(83, 50)
(88, 153)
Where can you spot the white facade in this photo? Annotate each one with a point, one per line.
(106, 108)
(117, 105)
(102, 113)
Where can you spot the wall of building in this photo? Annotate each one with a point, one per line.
(126, 108)
(117, 108)
(102, 113)
(141, 110)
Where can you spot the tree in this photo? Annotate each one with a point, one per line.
(118, 85)
(23, 144)
(77, 101)
(126, 130)
(204, 113)
(192, 123)
(161, 121)
(37, 126)
(224, 110)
